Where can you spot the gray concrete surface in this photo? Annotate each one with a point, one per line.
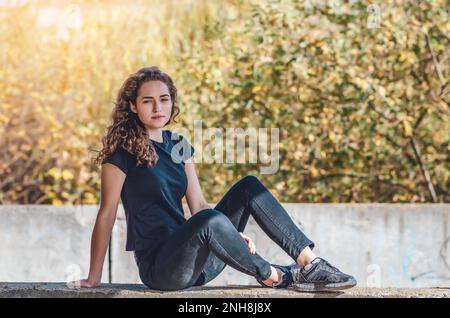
(45, 242)
(382, 245)
(60, 290)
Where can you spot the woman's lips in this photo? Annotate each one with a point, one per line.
(158, 117)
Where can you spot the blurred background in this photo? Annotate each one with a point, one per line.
(358, 89)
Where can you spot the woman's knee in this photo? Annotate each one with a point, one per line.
(251, 183)
(213, 218)
(249, 180)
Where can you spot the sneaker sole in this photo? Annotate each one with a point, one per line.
(323, 287)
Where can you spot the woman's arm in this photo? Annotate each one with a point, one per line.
(112, 180)
(194, 195)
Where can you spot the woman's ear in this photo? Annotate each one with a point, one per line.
(133, 107)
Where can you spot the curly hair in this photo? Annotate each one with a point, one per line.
(126, 130)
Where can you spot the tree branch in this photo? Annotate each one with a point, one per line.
(424, 170)
(435, 62)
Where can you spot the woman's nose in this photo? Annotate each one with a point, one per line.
(156, 107)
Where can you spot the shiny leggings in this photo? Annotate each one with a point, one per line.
(199, 250)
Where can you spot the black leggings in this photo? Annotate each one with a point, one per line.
(200, 249)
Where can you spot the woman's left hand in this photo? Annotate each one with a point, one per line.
(250, 244)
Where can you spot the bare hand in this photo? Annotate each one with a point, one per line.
(250, 244)
(83, 283)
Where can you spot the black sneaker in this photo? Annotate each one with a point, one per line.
(286, 277)
(320, 275)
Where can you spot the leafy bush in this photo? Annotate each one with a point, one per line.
(361, 98)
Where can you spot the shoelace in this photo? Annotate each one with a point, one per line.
(297, 270)
(335, 270)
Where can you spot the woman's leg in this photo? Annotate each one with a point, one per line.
(182, 258)
(248, 197)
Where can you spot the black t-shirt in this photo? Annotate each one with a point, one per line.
(151, 197)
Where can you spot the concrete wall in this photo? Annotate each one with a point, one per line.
(382, 245)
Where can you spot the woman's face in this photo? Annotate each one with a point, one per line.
(154, 104)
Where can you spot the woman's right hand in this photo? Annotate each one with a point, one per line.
(83, 283)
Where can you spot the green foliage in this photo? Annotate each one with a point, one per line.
(350, 99)
(363, 111)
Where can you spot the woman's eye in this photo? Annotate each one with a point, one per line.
(163, 100)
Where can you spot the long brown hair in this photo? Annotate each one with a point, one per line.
(126, 130)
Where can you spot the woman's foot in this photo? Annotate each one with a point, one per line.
(284, 278)
(320, 275)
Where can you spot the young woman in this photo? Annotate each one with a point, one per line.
(151, 170)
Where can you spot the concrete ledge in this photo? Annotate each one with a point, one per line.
(381, 245)
(60, 290)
